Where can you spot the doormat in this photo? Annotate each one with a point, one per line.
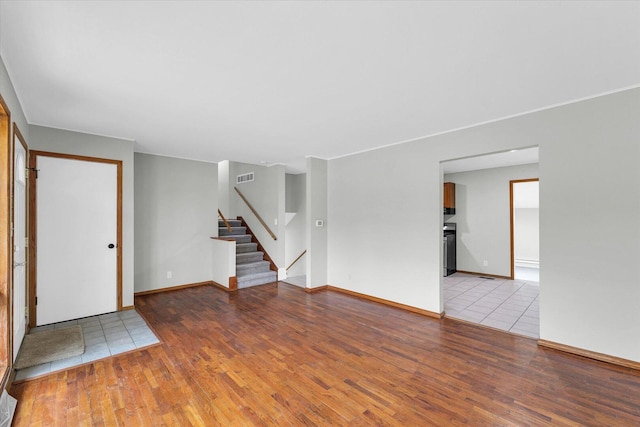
(47, 346)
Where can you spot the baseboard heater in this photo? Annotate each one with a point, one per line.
(527, 263)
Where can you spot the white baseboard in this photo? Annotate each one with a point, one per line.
(530, 263)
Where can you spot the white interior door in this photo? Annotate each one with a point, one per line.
(19, 246)
(76, 238)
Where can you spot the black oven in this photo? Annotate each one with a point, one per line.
(449, 248)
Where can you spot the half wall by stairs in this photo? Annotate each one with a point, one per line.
(252, 266)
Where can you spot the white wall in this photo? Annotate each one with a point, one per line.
(223, 261)
(526, 230)
(82, 144)
(589, 181)
(385, 218)
(317, 209)
(483, 218)
(175, 216)
(296, 229)
(385, 225)
(223, 189)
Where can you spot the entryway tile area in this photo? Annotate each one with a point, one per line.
(104, 336)
(510, 305)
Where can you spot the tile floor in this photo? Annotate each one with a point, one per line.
(528, 274)
(104, 335)
(510, 305)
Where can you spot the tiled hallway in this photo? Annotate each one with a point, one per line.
(104, 336)
(510, 305)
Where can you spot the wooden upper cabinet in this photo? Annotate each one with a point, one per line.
(449, 198)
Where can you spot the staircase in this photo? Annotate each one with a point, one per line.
(251, 268)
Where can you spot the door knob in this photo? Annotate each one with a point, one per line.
(111, 246)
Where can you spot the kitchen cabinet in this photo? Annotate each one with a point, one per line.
(449, 198)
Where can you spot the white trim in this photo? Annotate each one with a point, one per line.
(531, 263)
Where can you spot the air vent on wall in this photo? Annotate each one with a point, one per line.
(245, 177)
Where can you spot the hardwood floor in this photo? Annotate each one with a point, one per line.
(275, 355)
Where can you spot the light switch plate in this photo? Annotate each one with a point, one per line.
(319, 223)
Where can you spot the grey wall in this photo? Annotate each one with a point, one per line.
(296, 230)
(295, 192)
(483, 217)
(175, 216)
(82, 144)
(385, 218)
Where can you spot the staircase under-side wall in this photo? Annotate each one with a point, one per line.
(251, 266)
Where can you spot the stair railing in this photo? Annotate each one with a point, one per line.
(296, 260)
(224, 220)
(266, 227)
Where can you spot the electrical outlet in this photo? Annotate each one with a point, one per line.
(485, 263)
(169, 275)
(275, 221)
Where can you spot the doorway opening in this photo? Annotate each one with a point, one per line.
(482, 290)
(295, 245)
(525, 226)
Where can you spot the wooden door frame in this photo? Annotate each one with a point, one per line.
(511, 220)
(6, 252)
(17, 136)
(33, 209)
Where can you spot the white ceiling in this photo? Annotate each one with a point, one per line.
(278, 81)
